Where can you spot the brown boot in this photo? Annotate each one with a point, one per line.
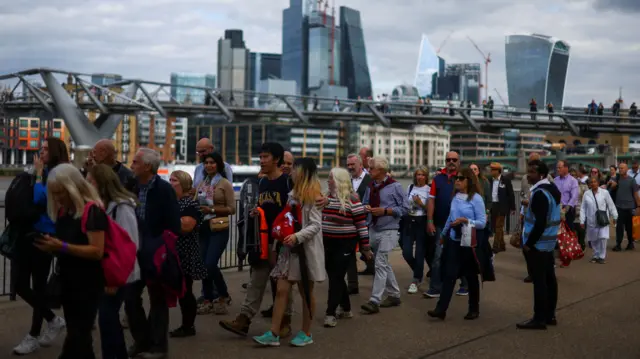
(239, 326)
(285, 326)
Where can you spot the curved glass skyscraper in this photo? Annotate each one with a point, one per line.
(428, 64)
(537, 68)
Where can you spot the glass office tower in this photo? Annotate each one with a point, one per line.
(354, 74)
(537, 68)
(196, 96)
(428, 64)
(295, 38)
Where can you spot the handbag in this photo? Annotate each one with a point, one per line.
(54, 289)
(8, 243)
(468, 237)
(516, 236)
(602, 217)
(568, 244)
(219, 224)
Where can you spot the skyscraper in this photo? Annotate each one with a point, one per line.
(196, 96)
(428, 64)
(233, 66)
(461, 82)
(262, 67)
(537, 68)
(295, 39)
(323, 51)
(354, 67)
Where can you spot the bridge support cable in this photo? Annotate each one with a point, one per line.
(107, 125)
(153, 101)
(82, 131)
(38, 95)
(299, 115)
(224, 109)
(383, 120)
(471, 122)
(101, 107)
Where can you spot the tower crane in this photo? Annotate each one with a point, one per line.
(487, 61)
(443, 43)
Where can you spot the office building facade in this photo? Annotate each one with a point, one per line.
(233, 67)
(406, 149)
(428, 65)
(537, 67)
(461, 82)
(194, 96)
(22, 137)
(354, 66)
(295, 44)
(263, 66)
(105, 79)
(323, 51)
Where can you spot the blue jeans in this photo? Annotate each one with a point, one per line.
(435, 284)
(415, 231)
(212, 246)
(111, 334)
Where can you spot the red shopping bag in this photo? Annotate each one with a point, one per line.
(568, 244)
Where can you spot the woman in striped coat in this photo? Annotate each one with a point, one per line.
(343, 226)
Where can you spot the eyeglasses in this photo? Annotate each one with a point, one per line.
(460, 178)
(454, 160)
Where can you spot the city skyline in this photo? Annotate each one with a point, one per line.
(150, 40)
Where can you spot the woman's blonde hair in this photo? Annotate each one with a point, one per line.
(69, 178)
(185, 180)
(425, 171)
(108, 185)
(306, 185)
(344, 188)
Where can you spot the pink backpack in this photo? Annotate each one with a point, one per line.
(119, 251)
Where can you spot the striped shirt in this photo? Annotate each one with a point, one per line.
(351, 223)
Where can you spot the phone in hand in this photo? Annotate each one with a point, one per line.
(33, 236)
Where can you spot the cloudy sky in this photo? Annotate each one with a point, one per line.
(150, 38)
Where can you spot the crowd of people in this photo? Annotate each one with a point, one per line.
(302, 237)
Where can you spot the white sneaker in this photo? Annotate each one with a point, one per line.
(413, 288)
(330, 321)
(54, 328)
(341, 314)
(28, 345)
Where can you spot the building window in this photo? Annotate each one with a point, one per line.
(24, 133)
(33, 134)
(35, 123)
(56, 134)
(57, 124)
(23, 143)
(33, 144)
(24, 123)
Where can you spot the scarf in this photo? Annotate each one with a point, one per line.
(374, 193)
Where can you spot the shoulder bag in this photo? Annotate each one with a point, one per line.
(602, 217)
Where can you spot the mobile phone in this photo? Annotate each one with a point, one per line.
(32, 236)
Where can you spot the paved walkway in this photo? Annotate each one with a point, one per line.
(598, 317)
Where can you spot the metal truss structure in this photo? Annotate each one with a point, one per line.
(133, 96)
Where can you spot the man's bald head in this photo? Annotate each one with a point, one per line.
(204, 147)
(287, 162)
(104, 152)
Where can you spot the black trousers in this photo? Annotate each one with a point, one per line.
(570, 218)
(456, 262)
(352, 272)
(80, 305)
(545, 285)
(149, 333)
(188, 304)
(337, 254)
(624, 224)
(32, 273)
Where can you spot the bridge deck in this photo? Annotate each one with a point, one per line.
(597, 318)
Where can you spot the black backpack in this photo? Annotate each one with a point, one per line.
(19, 206)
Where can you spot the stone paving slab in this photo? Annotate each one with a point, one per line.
(598, 316)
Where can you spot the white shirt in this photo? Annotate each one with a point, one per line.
(630, 173)
(494, 189)
(588, 213)
(356, 181)
(423, 193)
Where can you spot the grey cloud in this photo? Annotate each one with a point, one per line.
(151, 38)
(619, 5)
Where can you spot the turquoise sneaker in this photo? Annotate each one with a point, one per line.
(267, 339)
(301, 340)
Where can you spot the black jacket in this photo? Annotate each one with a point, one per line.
(506, 198)
(161, 210)
(363, 186)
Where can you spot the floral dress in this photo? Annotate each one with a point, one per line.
(187, 245)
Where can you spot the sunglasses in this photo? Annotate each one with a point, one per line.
(454, 160)
(460, 178)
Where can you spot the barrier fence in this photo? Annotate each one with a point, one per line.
(229, 258)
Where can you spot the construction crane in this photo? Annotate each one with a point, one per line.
(443, 43)
(487, 61)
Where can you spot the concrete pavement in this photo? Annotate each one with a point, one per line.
(597, 314)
